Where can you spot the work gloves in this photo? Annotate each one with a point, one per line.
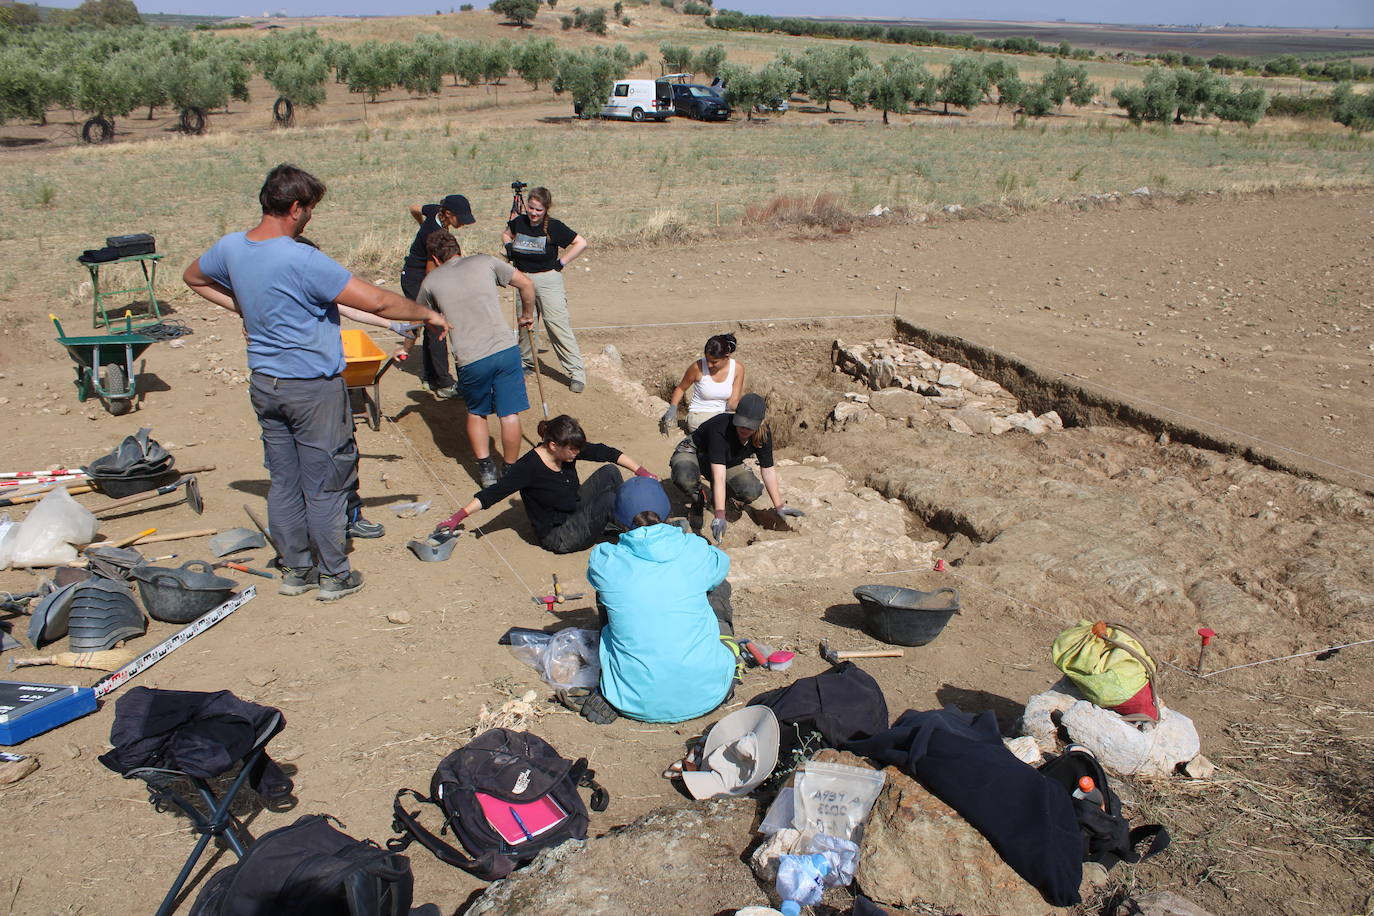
(645, 472)
(453, 521)
(669, 420)
(718, 525)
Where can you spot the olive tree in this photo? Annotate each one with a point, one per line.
(963, 84)
(521, 12)
(1354, 111)
(536, 61)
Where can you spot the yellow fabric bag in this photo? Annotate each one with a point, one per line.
(1106, 662)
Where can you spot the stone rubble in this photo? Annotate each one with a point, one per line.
(912, 388)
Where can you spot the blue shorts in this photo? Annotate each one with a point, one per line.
(495, 384)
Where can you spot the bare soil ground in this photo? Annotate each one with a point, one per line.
(1248, 318)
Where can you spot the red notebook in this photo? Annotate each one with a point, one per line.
(520, 823)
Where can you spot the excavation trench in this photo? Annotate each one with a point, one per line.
(1112, 511)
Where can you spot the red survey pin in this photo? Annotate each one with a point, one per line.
(1206, 633)
(940, 565)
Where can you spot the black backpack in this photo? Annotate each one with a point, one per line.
(516, 771)
(1107, 836)
(310, 869)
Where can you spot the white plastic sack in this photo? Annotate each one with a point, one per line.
(568, 658)
(8, 531)
(46, 537)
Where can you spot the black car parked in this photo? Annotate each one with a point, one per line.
(701, 102)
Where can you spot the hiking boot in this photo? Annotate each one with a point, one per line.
(450, 392)
(577, 387)
(506, 468)
(298, 580)
(486, 470)
(363, 529)
(332, 588)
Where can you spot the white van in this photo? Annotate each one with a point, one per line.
(640, 99)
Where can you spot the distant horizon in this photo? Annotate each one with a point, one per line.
(1315, 14)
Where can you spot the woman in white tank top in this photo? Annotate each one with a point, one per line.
(716, 382)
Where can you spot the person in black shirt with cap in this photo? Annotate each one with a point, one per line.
(450, 213)
(722, 443)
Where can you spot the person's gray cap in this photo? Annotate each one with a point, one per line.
(749, 413)
(458, 205)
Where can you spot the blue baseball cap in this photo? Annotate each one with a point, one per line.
(640, 494)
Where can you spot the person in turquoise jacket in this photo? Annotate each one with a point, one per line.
(665, 606)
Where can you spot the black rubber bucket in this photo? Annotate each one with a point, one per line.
(119, 487)
(181, 595)
(904, 616)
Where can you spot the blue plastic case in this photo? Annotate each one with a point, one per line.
(31, 709)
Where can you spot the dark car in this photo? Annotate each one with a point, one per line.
(701, 102)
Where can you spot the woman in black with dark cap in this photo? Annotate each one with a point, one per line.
(719, 446)
(566, 515)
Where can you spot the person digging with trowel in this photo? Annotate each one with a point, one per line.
(664, 605)
(286, 294)
(722, 443)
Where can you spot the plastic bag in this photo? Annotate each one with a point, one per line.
(8, 531)
(801, 881)
(842, 855)
(568, 658)
(1105, 661)
(835, 799)
(410, 510)
(46, 536)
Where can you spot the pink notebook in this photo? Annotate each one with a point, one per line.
(520, 823)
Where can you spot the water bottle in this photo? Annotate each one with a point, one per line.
(801, 881)
(1087, 790)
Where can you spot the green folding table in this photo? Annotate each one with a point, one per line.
(148, 311)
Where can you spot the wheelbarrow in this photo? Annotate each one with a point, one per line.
(105, 365)
(364, 365)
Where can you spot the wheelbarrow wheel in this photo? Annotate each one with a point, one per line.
(112, 379)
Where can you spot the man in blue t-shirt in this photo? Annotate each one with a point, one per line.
(286, 295)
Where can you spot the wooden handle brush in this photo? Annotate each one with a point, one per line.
(103, 660)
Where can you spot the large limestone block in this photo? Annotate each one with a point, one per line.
(917, 850)
(1154, 749)
(897, 403)
(844, 532)
(689, 856)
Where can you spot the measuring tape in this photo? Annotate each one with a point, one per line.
(154, 655)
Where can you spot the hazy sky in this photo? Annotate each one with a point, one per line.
(1319, 13)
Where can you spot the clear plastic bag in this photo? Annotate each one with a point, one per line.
(568, 658)
(835, 799)
(46, 537)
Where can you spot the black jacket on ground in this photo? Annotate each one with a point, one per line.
(960, 759)
(201, 734)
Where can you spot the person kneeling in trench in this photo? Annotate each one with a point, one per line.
(721, 444)
(665, 610)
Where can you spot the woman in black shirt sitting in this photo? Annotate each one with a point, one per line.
(566, 516)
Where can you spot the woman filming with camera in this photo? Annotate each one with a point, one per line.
(533, 241)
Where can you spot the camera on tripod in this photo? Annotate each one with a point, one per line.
(518, 186)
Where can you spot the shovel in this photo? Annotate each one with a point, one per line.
(236, 539)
